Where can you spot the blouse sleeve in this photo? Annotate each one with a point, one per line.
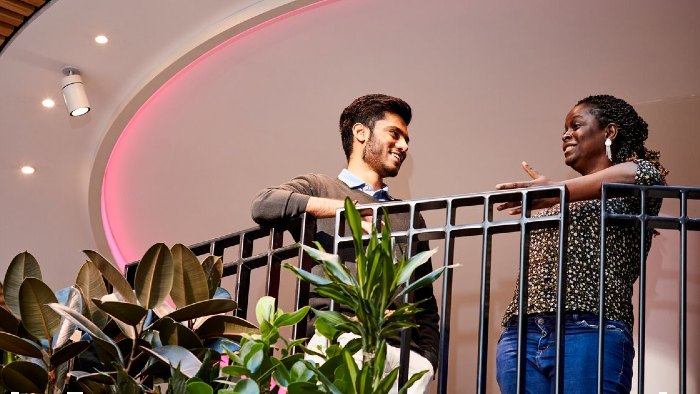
(647, 174)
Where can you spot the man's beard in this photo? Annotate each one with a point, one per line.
(376, 158)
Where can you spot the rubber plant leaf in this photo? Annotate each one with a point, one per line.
(39, 319)
(24, 265)
(154, 276)
(113, 276)
(25, 377)
(189, 279)
(92, 285)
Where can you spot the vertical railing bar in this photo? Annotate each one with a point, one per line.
(405, 353)
(272, 284)
(522, 294)
(485, 297)
(305, 263)
(601, 288)
(338, 222)
(446, 302)
(243, 277)
(684, 290)
(642, 289)
(561, 291)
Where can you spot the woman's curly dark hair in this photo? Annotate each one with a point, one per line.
(632, 129)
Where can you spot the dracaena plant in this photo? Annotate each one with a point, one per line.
(379, 282)
(85, 339)
(267, 362)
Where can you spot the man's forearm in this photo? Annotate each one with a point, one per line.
(320, 207)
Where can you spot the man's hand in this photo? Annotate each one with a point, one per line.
(320, 207)
(537, 180)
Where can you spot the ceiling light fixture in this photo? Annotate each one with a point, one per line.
(74, 92)
(48, 103)
(101, 39)
(27, 170)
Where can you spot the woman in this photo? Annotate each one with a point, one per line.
(603, 141)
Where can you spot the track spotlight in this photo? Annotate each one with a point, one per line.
(74, 92)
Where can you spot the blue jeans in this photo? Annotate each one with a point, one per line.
(580, 355)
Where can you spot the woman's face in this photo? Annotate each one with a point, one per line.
(583, 141)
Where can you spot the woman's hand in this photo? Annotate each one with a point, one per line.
(537, 180)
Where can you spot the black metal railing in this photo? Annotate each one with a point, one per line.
(451, 226)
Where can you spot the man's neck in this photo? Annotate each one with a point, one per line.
(368, 175)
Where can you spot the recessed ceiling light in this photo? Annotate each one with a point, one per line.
(48, 103)
(27, 170)
(101, 39)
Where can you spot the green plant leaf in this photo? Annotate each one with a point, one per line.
(424, 281)
(177, 383)
(290, 319)
(331, 262)
(25, 377)
(154, 276)
(88, 326)
(92, 285)
(203, 308)
(189, 280)
(308, 276)
(8, 321)
(199, 388)
(281, 374)
(355, 222)
(126, 384)
(414, 262)
(115, 278)
(236, 370)
(332, 317)
(177, 357)
(254, 358)
(303, 388)
(128, 313)
(387, 381)
(265, 309)
(213, 269)
(68, 352)
(224, 326)
(364, 385)
(24, 265)
(352, 370)
(326, 329)
(39, 320)
(414, 378)
(323, 379)
(23, 347)
(246, 386)
(300, 372)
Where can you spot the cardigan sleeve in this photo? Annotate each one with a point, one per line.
(284, 201)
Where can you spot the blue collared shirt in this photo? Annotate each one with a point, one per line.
(354, 182)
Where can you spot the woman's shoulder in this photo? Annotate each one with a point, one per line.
(648, 174)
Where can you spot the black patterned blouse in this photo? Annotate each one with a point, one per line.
(583, 256)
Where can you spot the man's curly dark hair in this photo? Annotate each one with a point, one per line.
(632, 129)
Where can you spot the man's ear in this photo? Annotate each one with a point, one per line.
(360, 132)
(611, 131)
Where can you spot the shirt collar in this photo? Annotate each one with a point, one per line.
(354, 182)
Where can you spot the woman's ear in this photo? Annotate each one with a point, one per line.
(360, 132)
(611, 131)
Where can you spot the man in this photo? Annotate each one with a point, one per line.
(374, 134)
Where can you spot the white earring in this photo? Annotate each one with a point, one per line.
(608, 151)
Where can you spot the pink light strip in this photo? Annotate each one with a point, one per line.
(112, 240)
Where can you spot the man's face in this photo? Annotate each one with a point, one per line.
(386, 146)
